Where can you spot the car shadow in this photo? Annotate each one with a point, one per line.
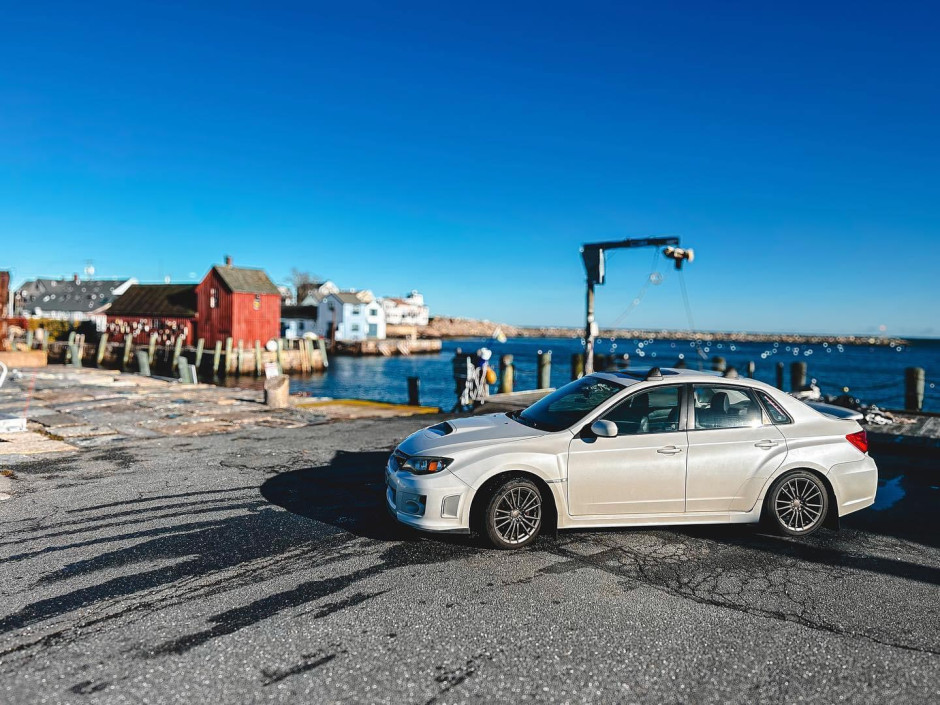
(348, 493)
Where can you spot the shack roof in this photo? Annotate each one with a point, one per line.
(68, 295)
(242, 280)
(171, 300)
(351, 297)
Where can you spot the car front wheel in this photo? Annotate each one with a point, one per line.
(513, 515)
(797, 504)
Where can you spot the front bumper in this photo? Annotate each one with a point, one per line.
(439, 503)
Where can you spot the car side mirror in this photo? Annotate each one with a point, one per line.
(604, 429)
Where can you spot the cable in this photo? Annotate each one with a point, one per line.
(688, 313)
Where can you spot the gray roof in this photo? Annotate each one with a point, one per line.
(67, 295)
(172, 300)
(246, 281)
(348, 297)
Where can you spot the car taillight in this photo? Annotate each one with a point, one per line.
(859, 440)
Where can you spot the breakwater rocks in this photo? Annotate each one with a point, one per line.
(446, 327)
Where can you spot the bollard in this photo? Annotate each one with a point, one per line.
(719, 364)
(506, 373)
(200, 347)
(143, 363)
(751, 367)
(914, 388)
(414, 389)
(277, 392)
(128, 346)
(183, 366)
(152, 348)
(216, 357)
(577, 365)
(780, 376)
(797, 376)
(259, 363)
(102, 348)
(544, 370)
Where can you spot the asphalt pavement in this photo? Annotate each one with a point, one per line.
(260, 566)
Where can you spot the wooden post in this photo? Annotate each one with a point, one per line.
(280, 356)
(68, 350)
(45, 341)
(751, 367)
(182, 364)
(152, 348)
(914, 388)
(259, 362)
(75, 355)
(29, 339)
(228, 355)
(780, 376)
(277, 392)
(719, 364)
(143, 363)
(322, 345)
(577, 365)
(177, 350)
(102, 348)
(128, 346)
(216, 357)
(414, 391)
(506, 373)
(797, 376)
(200, 347)
(544, 379)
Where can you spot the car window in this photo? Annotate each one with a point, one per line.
(719, 406)
(777, 415)
(569, 404)
(653, 411)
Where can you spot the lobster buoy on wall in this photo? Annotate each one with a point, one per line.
(490, 375)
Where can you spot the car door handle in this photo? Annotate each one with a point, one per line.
(766, 445)
(669, 450)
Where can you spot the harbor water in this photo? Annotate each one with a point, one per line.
(875, 374)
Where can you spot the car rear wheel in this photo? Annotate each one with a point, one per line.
(797, 504)
(513, 516)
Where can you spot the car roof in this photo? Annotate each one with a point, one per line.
(668, 374)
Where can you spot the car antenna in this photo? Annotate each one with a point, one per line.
(654, 373)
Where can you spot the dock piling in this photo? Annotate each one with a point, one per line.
(751, 367)
(102, 348)
(152, 348)
(177, 351)
(414, 391)
(143, 363)
(544, 370)
(719, 364)
(259, 363)
(914, 388)
(577, 365)
(506, 373)
(780, 376)
(216, 357)
(228, 354)
(200, 347)
(797, 376)
(128, 346)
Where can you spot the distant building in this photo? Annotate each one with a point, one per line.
(72, 299)
(5, 294)
(287, 295)
(408, 311)
(238, 303)
(297, 321)
(349, 316)
(313, 294)
(167, 310)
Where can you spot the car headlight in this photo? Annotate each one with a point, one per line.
(423, 465)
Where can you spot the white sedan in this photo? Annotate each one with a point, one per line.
(634, 449)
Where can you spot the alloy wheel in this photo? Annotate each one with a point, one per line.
(518, 514)
(799, 504)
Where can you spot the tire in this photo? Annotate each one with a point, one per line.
(513, 515)
(797, 504)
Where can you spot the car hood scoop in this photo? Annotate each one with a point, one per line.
(485, 429)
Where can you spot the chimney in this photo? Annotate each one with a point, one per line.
(228, 260)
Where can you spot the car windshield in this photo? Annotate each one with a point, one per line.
(566, 406)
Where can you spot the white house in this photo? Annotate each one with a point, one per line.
(297, 321)
(313, 294)
(408, 311)
(350, 315)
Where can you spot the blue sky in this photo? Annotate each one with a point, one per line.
(467, 150)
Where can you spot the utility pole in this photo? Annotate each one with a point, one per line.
(594, 264)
